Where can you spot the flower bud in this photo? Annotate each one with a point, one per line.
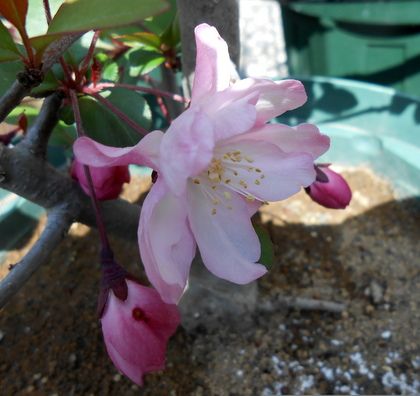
(330, 189)
(136, 330)
(107, 181)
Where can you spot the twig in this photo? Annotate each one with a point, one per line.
(24, 83)
(58, 223)
(36, 139)
(302, 303)
(37, 181)
(153, 91)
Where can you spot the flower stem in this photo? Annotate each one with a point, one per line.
(80, 132)
(86, 60)
(153, 91)
(118, 113)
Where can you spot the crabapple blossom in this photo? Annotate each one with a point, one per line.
(216, 164)
(330, 189)
(107, 181)
(136, 330)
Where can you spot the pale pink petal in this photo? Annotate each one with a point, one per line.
(166, 244)
(302, 138)
(212, 66)
(263, 171)
(274, 97)
(146, 152)
(226, 239)
(186, 149)
(231, 118)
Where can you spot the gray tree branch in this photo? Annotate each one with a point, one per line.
(34, 179)
(58, 223)
(31, 78)
(223, 14)
(36, 140)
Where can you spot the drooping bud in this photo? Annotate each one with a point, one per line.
(107, 181)
(137, 330)
(330, 189)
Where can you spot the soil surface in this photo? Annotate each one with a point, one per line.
(366, 257)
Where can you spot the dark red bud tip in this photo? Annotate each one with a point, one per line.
(334, 193)
(138, 314)
(154, 177)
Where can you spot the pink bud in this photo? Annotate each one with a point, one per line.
(330, 189)
(137, 330)
(107, 181)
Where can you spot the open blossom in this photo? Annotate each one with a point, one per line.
(107, 181)
(216, 164)
(137, 330)
(330, 189)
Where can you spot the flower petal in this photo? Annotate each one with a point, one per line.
(226, 239)
(304, 138)
(275, 97)
(89, 152)
(166, 244)
(231, 117)
(212, 67)
(263, 171)
(186, 149)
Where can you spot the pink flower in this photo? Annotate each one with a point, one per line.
(137, 330)
(107, 181)
(216, 164)
(330, 189)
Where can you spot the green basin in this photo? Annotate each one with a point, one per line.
(368, 124)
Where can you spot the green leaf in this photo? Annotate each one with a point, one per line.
(107, 128)
(172, 35)
(146, 39)
(159, 23)
(267, 251)
(84, 15)
(8, 71)
(139, 61)
(8, 49)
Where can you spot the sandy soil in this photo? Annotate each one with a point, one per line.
(366, 257)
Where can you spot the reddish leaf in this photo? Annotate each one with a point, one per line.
(15, 12)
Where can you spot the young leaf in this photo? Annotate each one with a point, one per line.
(8, 49)
(140, 61)
(106, 127)
(84, 15)
(15, 12)
(145, 39)
(267, 251)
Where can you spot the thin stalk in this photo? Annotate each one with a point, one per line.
(80, 132)
(153, 91)
(47, 10)
(63, 63)
(118, 113)
(86, 60)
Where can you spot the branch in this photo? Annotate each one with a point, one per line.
(24, 83)
(224, 15)
(31, 78)
(304, 304)
(36, 140)
(37, 181)
(58, 223)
